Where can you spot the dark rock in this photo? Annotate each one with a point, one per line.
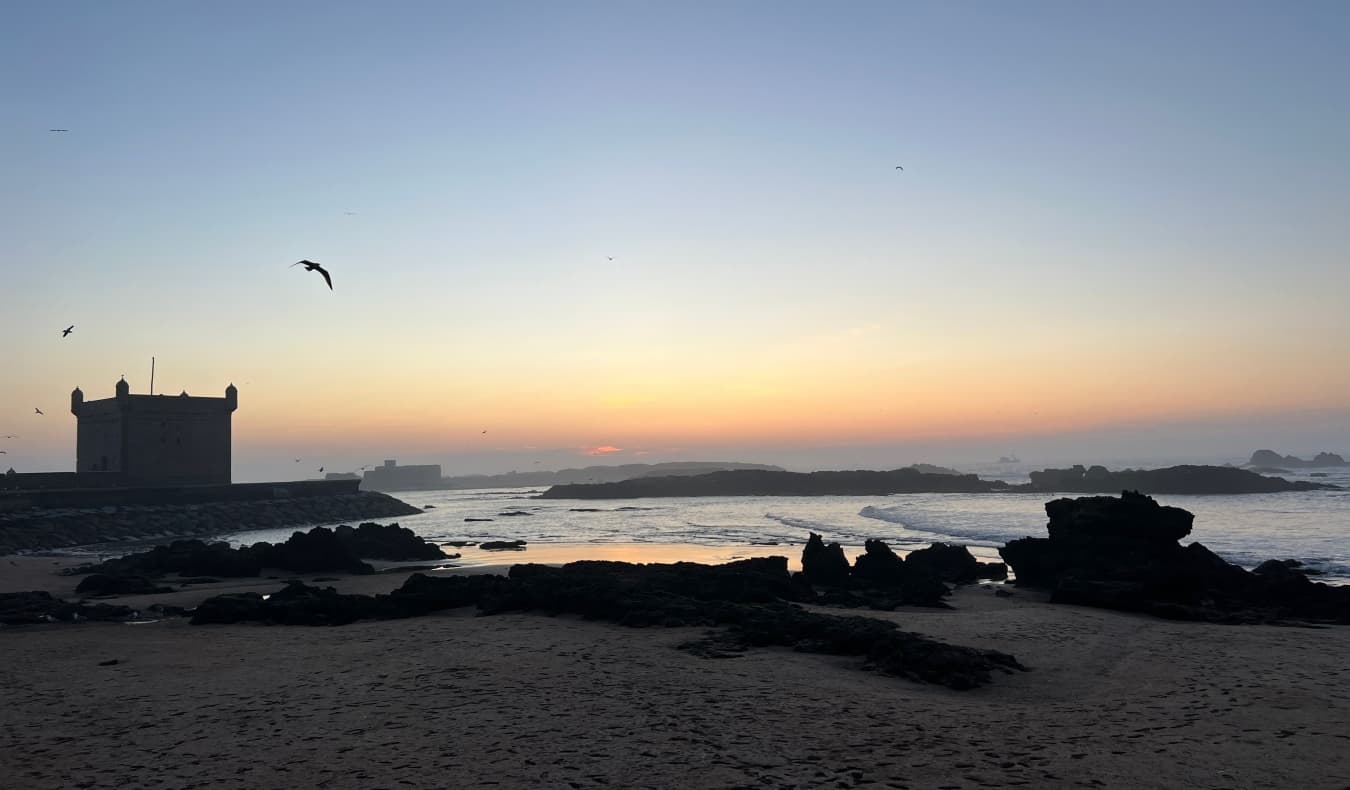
(823, 564)
(1123, 554)
(1131, 516)
(386, 542)
(315, 551)
(749, 599)
(760, 482)
(470, 519)
(882, 580)
(515, 513)
(1171, 480)
(503, 545)
(229, 608)
(877, 565)
(954, 564)
(37, 607)
(185, 557)
(1272, 458)
(109, 663)
(104, 584)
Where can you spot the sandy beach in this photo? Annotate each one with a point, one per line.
(454, 700)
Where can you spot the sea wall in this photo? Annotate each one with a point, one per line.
(36, 528)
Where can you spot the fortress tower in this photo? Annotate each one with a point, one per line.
(155, 439)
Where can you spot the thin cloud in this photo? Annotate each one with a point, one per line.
(604, 449)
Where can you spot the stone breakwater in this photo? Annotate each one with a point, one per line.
(36, 529)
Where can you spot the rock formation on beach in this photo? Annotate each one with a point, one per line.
(751, 601)
(1171, 480)
(316, 551)
(1272, 459)
(1123, 553)
(35, 607)
(881, 579)
(770, 483)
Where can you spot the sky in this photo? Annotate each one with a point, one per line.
(572, 233)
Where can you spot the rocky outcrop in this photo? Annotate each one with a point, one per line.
(823, 564)
(1270, 458)
(1171, 480)
(320, 550)
(104, 584)
(503, 545)
(1123, 553)
(386, 542)
(37, 607)
(36, 528)
(767, 483)
(750, 600)
(881, 579)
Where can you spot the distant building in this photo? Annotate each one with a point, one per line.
(392, 477)
(155, 439)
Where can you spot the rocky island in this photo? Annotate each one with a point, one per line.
(1273, 460)
(1171, 480)
(750, 482)
(914, 480)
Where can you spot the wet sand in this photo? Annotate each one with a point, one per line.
(525, 701)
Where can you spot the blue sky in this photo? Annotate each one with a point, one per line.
(1083, 183)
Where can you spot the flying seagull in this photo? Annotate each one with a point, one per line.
(898, 167)
(611, 257)
(67, 330)
(39, 411)
(321, 469)
(311, 266)
(58, 130)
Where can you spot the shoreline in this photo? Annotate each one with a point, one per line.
(523, 700)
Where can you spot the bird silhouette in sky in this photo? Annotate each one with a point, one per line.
(611, 257)
(67, 330)
(321, 469)
(297, 460)
(484, 431)
(311, 266)
(39, 411)
(10, 436)
(901, 169)
(58, 130)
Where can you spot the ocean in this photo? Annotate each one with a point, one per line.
(1312, 526)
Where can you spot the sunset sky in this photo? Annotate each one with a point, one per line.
(1122, 230)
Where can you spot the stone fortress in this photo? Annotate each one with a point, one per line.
(155, 439)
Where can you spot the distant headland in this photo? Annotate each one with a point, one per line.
(1269, 459)
(911, 480)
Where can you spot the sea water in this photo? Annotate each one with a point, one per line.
(1310, 526)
